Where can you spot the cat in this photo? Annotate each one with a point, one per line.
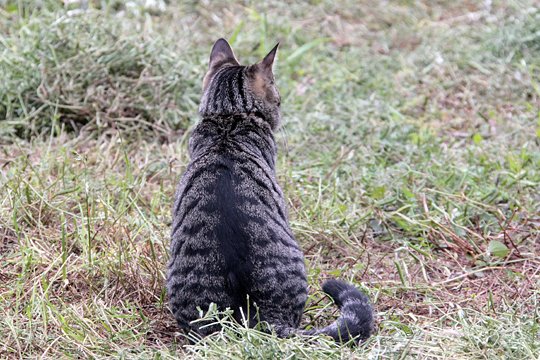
(231, 240)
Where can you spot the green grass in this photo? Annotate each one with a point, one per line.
(409, 156)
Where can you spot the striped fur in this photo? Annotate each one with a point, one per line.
(231, 240)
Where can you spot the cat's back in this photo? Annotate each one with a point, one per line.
(230, 182)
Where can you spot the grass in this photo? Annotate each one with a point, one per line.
(410, 157)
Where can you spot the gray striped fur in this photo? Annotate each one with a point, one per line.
(231, 240)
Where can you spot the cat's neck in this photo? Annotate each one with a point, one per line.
(248, 132)
(251, 116)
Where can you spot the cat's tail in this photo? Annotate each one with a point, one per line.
(356, 320)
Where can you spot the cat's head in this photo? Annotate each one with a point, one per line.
(230, 88)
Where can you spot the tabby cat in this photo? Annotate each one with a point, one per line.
(231, 241)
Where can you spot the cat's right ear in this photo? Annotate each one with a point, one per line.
(222, 53)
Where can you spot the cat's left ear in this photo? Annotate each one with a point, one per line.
(222, 53)
(268, 62)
